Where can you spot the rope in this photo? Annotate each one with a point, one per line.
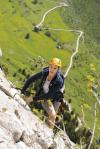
(24, 106)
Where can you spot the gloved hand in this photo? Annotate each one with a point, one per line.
(28, 99)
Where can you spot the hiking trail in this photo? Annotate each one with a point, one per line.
(39, 25)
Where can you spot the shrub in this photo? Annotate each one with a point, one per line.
(34, 1)
(47, 33)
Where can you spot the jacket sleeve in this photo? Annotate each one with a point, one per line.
(31, 80)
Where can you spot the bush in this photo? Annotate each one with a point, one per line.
(34, 1)
(47, 33)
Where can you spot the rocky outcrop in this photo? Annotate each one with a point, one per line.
(22, 129)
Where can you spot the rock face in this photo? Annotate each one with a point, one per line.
(22, 129)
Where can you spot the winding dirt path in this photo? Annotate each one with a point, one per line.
(47, 12)
(0, 52)
(61, 29)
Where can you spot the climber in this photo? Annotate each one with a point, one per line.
(52, 80)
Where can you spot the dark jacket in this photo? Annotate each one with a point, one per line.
(54, 88)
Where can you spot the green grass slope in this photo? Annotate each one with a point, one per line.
(23, 57)
(84, 15)
(17, 19)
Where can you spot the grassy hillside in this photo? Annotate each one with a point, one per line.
(17, 20)
(84, 15)
(25, 52)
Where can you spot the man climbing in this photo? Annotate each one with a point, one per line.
(52, 80)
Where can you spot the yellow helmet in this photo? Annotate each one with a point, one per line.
(56, 61)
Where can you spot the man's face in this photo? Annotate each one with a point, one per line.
(53, 70)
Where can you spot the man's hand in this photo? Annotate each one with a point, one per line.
(28, 99)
